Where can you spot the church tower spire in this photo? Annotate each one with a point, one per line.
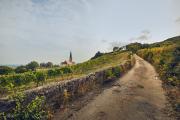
(70, 57)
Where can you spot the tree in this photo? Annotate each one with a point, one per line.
(32, 65)
(98, 54)
(4, 70)
(42, 64)
(49, 64)
(115, 49)
(40, 77)
(134, 47)
(52, 73)
(21, 69)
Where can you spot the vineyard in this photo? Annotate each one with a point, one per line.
(12, 83)
(165, 56)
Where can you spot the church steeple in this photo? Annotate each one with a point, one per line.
(68, 62)
(70, 57)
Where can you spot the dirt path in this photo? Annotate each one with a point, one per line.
(138, 95)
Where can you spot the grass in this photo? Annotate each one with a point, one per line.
(105, 61)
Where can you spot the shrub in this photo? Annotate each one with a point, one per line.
(18, 79)
(116, 71)
(30, 77)
(3, 84)
(3, 81)
(149, 57)
(59, 72)
(34, 110)
(52, 73)
(66, 70)
(109, 74)
(40, 77)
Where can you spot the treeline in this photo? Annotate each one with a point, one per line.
(5, 70)
(32, 66)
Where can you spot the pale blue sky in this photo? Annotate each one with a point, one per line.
(46, 30)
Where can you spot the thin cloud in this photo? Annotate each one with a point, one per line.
(177, 20)
(145, 32)
(104, 41)
(117, 44)
(144, 36)
(2, 45)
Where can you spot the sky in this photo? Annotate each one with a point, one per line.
(47, 30)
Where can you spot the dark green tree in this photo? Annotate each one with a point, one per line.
(134, 47)
(49, 64)
(32, 65)
(98, 54)
(115, 49)
(42, 65)
(21, 69)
